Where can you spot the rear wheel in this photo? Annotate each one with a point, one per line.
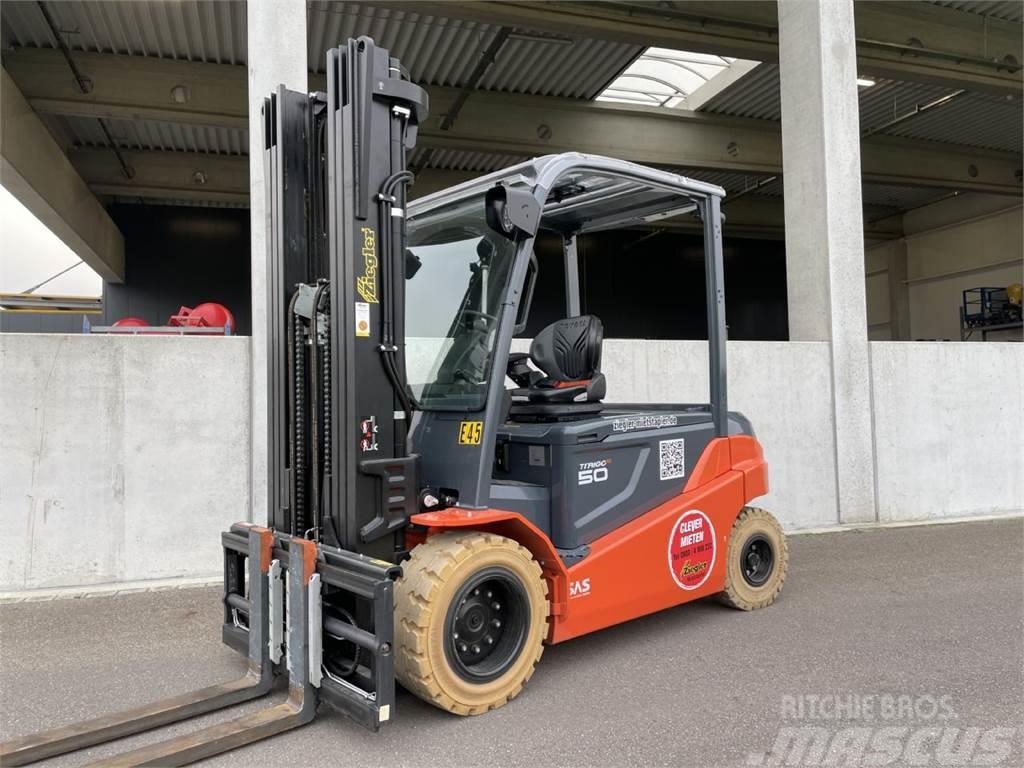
(758, 559)
(470, 620)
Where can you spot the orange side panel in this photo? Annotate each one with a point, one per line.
(670, 555)
(748, 458)
(511, 525)
(638, 569)
(713, 463)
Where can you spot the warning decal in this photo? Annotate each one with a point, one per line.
(362, 319)
(691, 549)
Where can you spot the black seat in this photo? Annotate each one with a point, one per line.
(568, 352)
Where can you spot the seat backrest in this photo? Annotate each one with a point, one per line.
(570, 349)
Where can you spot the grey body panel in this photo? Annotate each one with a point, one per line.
(579, 480)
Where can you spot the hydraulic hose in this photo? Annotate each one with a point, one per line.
(386, 199)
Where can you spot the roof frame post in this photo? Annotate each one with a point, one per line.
(572, 275)
(711, 214)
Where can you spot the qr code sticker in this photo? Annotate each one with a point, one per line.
(673, 459)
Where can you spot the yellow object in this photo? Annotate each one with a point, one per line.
(471, 432)
(1014, 292)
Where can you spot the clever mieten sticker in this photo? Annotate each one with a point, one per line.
(691, 549)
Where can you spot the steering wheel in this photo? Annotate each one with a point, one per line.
(488, 319)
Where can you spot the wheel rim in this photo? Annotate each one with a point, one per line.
(486, 625)
(757, 560)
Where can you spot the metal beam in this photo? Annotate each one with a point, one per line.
(35, 170)
(758, 216)
(503, 123)
(167, 175)
(899, 40)
(512, 124)
(132, 87)
(170, 176)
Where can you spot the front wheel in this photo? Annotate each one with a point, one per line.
(758, 559)
(471, 616)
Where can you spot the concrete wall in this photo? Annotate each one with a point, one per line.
(120, 458)
(984, 250)
(962, 242)
(948, 428)
(877, 277)
(782, 387)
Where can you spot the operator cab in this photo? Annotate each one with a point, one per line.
(545, 444)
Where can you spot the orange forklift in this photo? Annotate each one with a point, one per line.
(441, 508)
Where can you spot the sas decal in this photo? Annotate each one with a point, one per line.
(691, 549)
(579, 588)
(366, 284)
(471, 432)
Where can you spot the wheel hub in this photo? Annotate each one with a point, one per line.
(757, 560)
(486, 625)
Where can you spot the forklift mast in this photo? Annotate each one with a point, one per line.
(339, 471)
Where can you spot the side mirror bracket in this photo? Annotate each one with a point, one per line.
(512, 213)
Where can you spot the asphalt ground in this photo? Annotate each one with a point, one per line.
(926, 623)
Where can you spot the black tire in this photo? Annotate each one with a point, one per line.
(758, 559)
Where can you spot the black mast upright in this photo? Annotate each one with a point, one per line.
(372, 116)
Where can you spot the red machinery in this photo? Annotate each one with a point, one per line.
(205, 315)
(208, 318)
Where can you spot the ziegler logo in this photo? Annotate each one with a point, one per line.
(593, 472)
(579, 588)
(367, 284)
(689, 570)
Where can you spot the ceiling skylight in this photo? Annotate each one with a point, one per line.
(662, 77)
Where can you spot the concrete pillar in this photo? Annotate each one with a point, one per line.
(899, 291)
(824, 226)
(276, 55)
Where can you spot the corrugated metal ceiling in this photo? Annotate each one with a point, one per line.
(880, 199)
(876, 196)
(191, 202)
(458, 160)
(436, 51)
(441, 51)
(972, 119)
(975, 120)
(1011, 11)
(191, 30)
(755, 95)
(148, 134)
